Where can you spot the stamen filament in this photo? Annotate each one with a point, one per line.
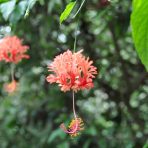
(12, 72)
(76, 125)
(75, 116)
(73, 99)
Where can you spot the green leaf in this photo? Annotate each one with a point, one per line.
(56, 134)
(67, 11)
(146, 145)
(18, 12)
(3, 1)
(87, 143)
(7, 8)
(64, 144)
(30, 4)
(139, 23)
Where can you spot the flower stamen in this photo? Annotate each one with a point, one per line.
(74, 128)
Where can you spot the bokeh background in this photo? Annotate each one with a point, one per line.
(115, 111)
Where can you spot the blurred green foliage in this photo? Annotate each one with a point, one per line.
(115, 112)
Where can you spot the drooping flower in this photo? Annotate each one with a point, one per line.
(12, 50)
(75, 127)
(11, 87)
(72, 71)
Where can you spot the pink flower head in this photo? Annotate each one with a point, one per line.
(11, 87)
(72, 71)
(12, 50)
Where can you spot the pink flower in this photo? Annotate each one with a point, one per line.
(72, 71)
(12, 50)
(11, 87)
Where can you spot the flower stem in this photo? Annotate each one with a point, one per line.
(12, 72)
(75, 42)
(73, 98)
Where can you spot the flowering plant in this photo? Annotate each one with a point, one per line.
(72, 71)
(12, 51)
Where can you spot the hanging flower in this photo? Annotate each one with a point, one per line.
(72, 71)
(75, 127)
(11, 87)
(12, 50)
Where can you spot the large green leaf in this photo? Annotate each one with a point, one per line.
(67, 11)
(7, 8)
(139, 23)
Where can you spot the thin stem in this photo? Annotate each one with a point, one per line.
(12, 72)
(75, 129)
(75, 33)
(73, 98)
(75, 42)
(79, 9)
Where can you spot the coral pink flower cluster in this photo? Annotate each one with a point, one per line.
(72, 71)
(12, 50)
